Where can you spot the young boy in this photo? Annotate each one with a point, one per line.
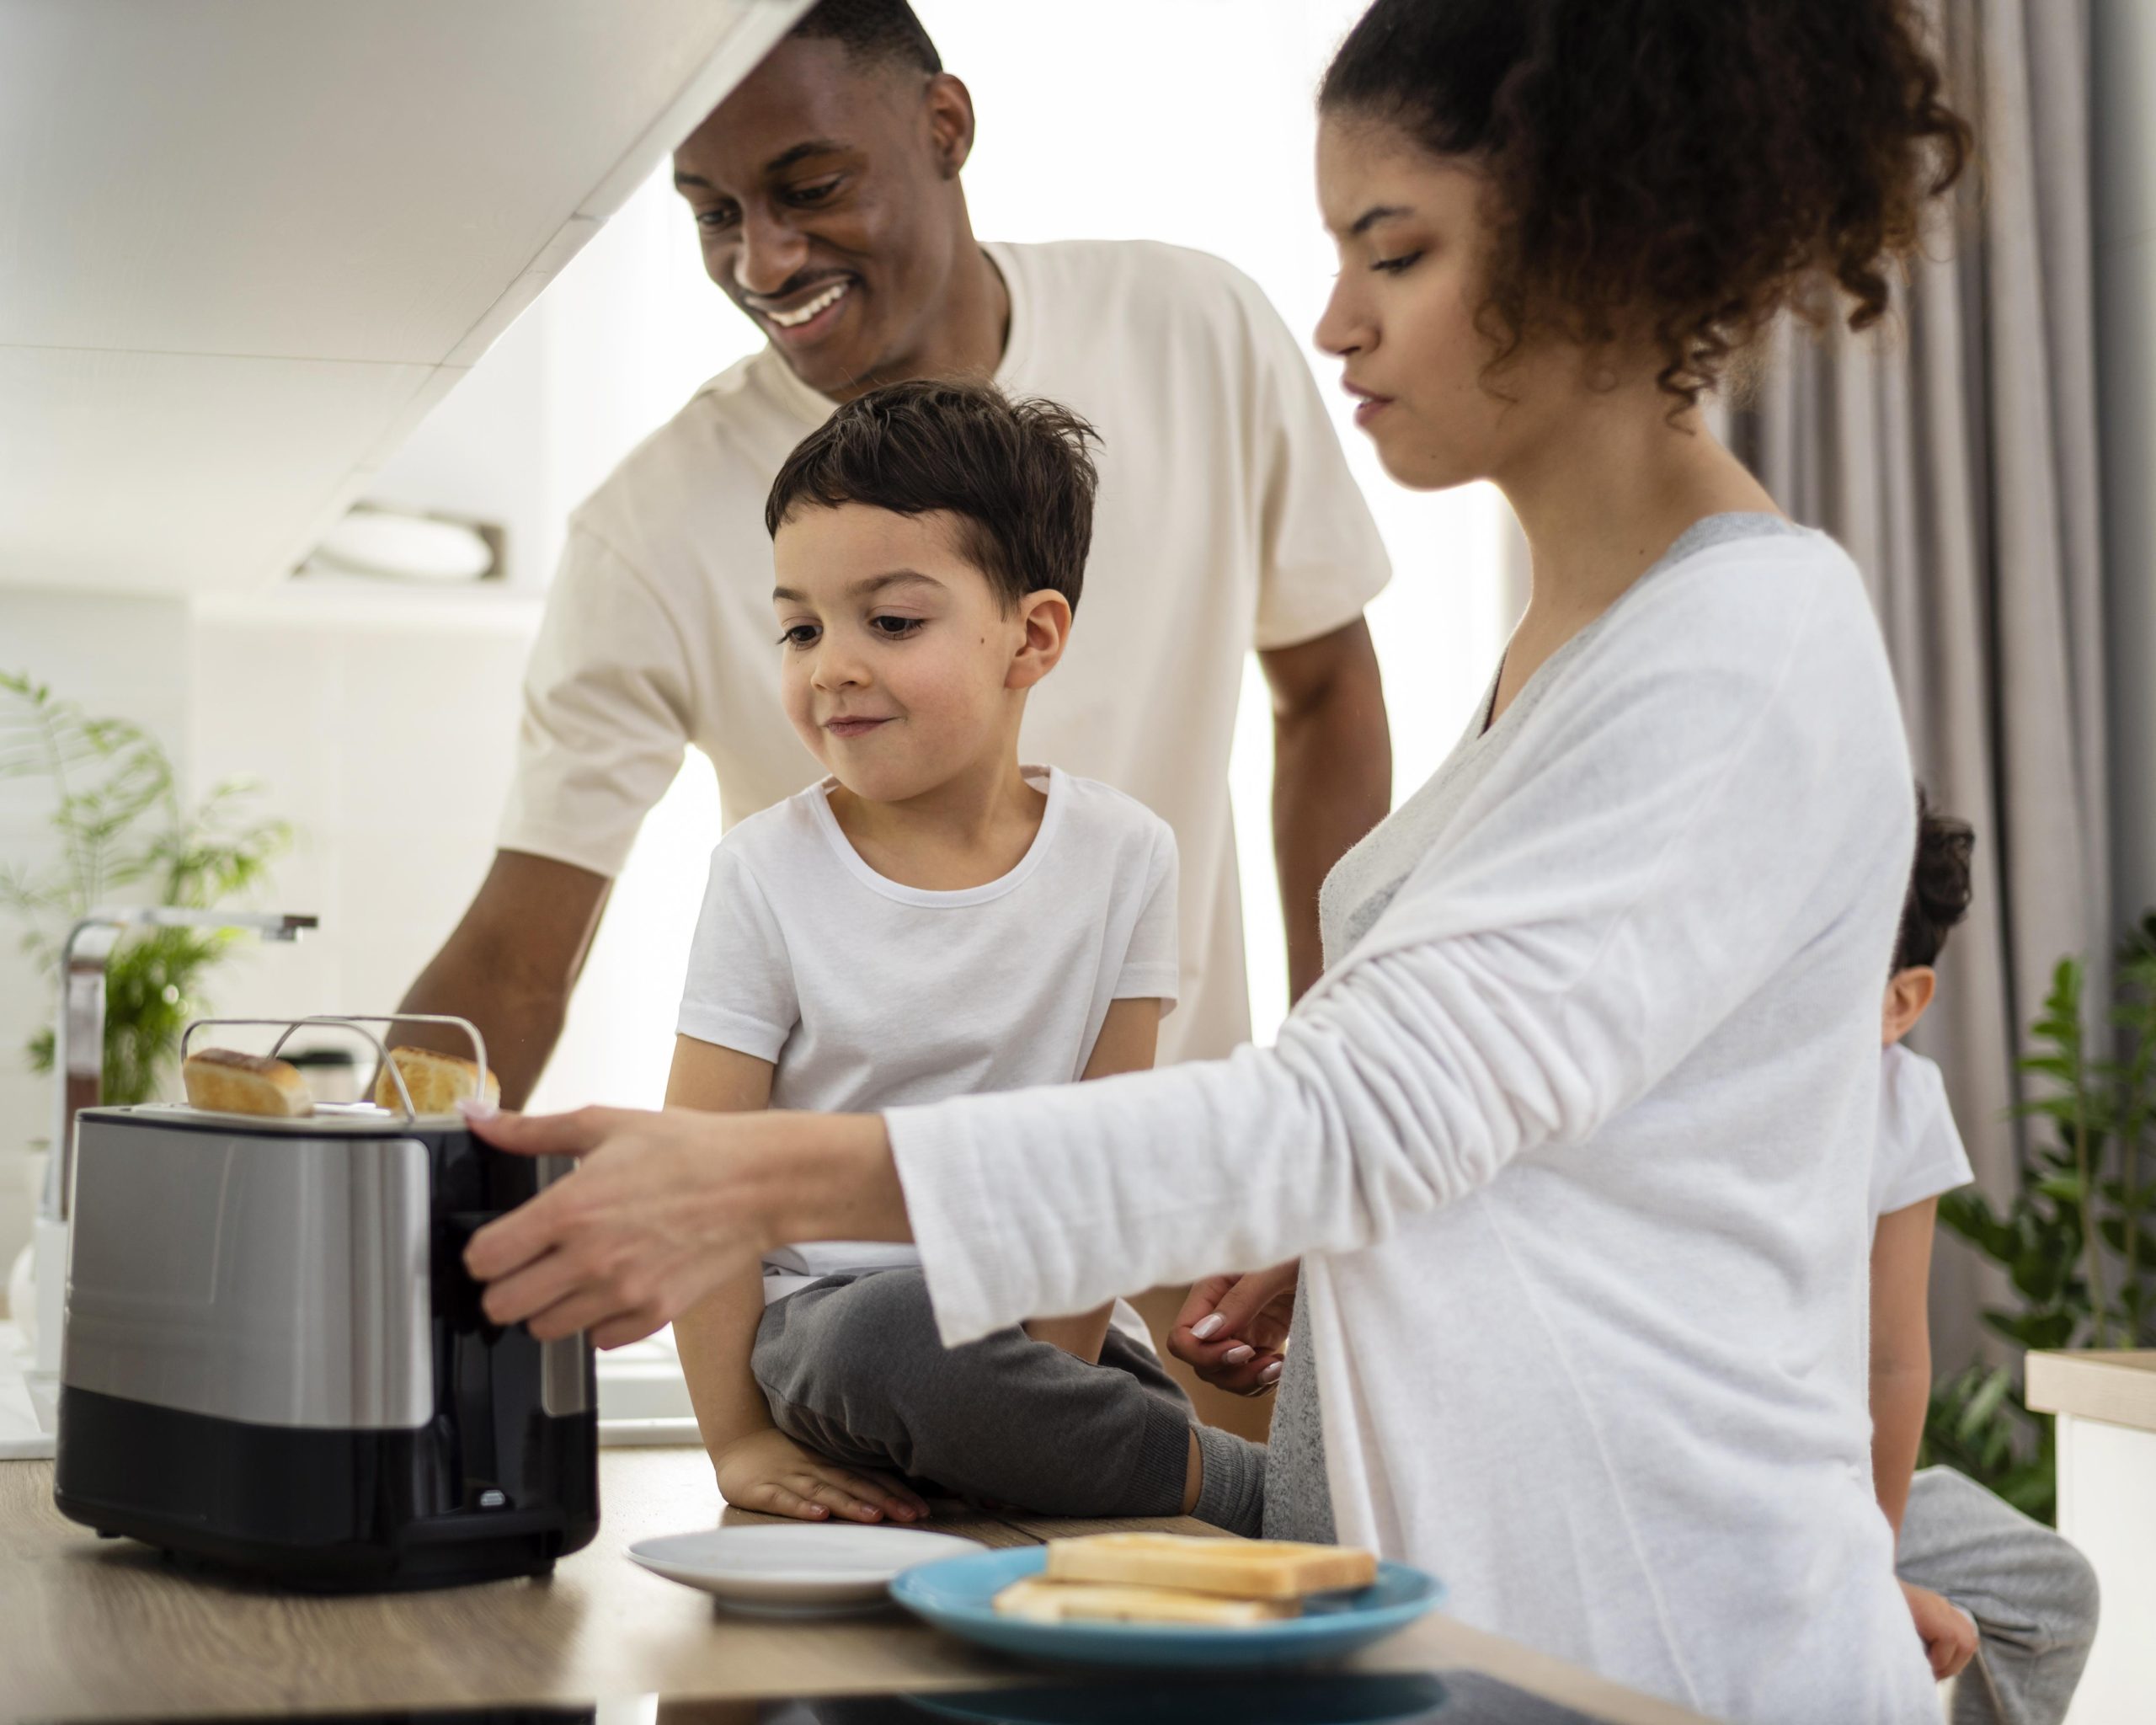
(932, 920)
(1980, 1577)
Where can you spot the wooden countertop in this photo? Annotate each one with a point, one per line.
(2115, 1384)
(93, 1629)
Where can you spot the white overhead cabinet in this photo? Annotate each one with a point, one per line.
(246, 244)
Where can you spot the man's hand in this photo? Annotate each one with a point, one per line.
(768, 1472)
(1231, 1329)
(665, 1208)
(1949, 1633)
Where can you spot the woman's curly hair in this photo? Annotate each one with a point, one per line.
(1690, 167)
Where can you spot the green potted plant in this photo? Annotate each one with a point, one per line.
(2078, 1238)
(124, 835)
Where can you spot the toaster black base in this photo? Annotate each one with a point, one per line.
(327, 1511)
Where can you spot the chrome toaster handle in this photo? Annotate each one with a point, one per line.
(358, 1021)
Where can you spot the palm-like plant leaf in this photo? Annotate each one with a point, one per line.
(123, 833)
(2075, 1240)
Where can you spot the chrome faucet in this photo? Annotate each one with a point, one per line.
(79, 1040)
(78, 1065)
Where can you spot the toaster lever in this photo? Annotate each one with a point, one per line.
(463, 1307)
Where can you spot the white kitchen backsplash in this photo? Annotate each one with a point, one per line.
(380, 723)
(125, 657)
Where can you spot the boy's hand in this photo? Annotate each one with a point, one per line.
(1231, 1329)
(1949, 1633)
(768, 1472)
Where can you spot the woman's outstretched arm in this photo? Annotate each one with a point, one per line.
(1692, 808)
(664, 1208)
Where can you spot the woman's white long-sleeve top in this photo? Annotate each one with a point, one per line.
(1575, 1142)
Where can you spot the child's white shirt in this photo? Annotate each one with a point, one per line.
(1920, 1153)
(867, 994)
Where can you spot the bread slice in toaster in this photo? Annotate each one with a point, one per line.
(1041, 1600)
(437, 1081)
(229, 1082)
(1242, 1569)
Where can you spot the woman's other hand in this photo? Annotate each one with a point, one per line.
(768, 1472)
(664, 1208)
(1231, 1330)
(1949, 1633)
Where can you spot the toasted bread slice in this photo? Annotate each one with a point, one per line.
(437, 1081)
(1041, 1600)
(229, 1082)
(1239, 1569)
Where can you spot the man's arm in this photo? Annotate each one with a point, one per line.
(1129, 1038)
(1331, 773)
(510, 965)
(1901, 1351)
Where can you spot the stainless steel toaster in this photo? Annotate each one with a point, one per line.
(275, 1359)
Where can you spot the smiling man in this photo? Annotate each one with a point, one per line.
(826, 190)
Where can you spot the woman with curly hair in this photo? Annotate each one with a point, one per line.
(1573, 1138)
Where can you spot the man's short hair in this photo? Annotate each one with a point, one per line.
(873, 32)
(1018, 476)
(1938, 886)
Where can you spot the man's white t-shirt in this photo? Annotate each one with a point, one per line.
(867, 994)
(1920, 1154)
(1226, 520)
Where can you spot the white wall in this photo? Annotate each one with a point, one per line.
(381, 725)
(2125, 62)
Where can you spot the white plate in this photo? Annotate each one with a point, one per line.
(812, 1568)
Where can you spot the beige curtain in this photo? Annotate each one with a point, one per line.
(1953, 454)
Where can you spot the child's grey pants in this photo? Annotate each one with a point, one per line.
(2033, 1596)
(852, 1368)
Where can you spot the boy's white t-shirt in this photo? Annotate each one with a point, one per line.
(1920, 1153)
(1227, 519)
(868, 995)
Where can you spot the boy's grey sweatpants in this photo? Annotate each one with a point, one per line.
(853, 1369)
(2033, 1596)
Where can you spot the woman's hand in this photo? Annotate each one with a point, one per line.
(768, 1472)
(1231, 1329)
(1949, 1633)
(664, 1208)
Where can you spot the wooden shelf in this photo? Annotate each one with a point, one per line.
(2116, 1385)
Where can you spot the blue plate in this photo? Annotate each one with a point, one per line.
(958, 1594)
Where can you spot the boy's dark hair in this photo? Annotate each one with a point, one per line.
(1018, 476)
(1691, 165)
(873, 32)
(1938, 886)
